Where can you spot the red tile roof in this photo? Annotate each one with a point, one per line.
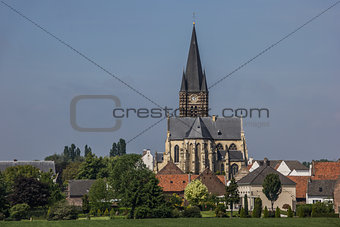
(174, 182)
(326, 170)
(221, 177)
(301, 185)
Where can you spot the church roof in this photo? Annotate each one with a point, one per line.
(235, 156)
(198, 130)
(220, 129)
(193, 79)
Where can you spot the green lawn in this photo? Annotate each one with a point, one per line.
(291, 222)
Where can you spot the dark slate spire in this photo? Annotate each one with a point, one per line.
(183, 85)
(194, 74)
(204, 83)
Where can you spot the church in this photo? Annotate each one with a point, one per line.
(196, 141)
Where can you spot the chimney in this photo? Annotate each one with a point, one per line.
(266, 162)
(15, 160)
(214, 118)
(189, 177)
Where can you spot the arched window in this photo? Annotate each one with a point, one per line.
(222, 167)
(234, 170)
(176, 153)
(219, 147)
(232, 147)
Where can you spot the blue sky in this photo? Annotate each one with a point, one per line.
(145, 43)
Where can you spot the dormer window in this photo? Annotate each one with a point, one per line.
(219, 132)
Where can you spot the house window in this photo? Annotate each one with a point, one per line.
(232, 147)
(222, 167)
(176, 153)
(320, 189)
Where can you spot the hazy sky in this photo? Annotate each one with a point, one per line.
(145, 43)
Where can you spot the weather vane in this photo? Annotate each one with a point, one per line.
(193, 17)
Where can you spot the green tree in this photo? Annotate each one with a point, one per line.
(100, 195)
(257, 208)
(135, 185)
(243, 213)
(232, 195)
(246, 205)
(121, 147)
(92, 167)
(175, 201)
(87, 150)
(265, 212)
(85, 204)
(290, 213)
(71, 171)
(30, 191)
(14, 172)
(114, 150)
(4, 205)
(277, 212)
(196, 193)
(272, 188)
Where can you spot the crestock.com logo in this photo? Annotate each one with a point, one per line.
(73, 113)
(118, 113)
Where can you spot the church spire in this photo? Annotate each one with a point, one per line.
(194, 73)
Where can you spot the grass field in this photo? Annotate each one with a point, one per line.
(291, 222)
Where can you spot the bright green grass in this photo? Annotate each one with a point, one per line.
(291, 222)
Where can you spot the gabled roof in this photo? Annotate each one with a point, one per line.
(258, 175)
(44, 166)
(173, 182)
(295, 164)
(78, 188)
(198, 130)
(220, 129)
(212, 182)
(326, 170)
(170, 168)
(321, 188)
(301, 185)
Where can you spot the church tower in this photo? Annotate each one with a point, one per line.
(193, 96)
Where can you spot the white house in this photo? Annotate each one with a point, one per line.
(293, 168)
(148, 159)
(320, 191)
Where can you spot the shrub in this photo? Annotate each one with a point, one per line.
(192, 212)
(277, 212)
(161, 212)
(290, 212)
(93, 212)
(285, 206)
(99, 213)
(265, 212)
(19, 211)
(176, 213)
(124, 211)
(106, 212)
(243, 213)
(2, 216)
(141, 212)
(220, 211)
(257, 208)
(112, 214)
(62, 211)
(304, 210)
